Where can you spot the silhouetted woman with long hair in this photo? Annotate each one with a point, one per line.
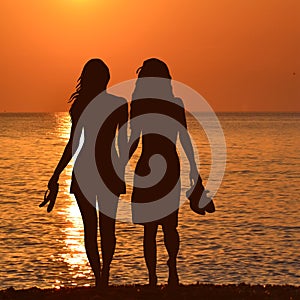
(157, 203)
(93, 82)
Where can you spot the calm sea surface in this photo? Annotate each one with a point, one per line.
(253, 237)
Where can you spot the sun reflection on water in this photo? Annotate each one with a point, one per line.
(63, 125)
(73, 253)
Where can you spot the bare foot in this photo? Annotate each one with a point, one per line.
(173, 280)
(152, 281)
(104, 278)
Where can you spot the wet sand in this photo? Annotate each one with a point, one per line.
(132, 292)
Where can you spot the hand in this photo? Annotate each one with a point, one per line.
(53, 181)
(50, 196)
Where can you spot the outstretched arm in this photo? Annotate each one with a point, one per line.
(64, 160)
(187, 146)
(135, 129)
(133, 140)
(122, 134)
(188, 149)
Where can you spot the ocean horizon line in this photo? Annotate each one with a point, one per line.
(217, 112)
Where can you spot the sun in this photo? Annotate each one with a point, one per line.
(85, 6)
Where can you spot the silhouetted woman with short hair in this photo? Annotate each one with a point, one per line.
(159, 118)
(111, 113)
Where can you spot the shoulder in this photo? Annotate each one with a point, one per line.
(178, 101)
(118, 99)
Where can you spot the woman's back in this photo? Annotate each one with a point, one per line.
(98, 153)
(100, 119)
(159, 121)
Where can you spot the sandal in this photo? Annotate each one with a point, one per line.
(50, 195)
(194, 194)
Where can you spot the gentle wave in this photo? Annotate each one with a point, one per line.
(253, 236)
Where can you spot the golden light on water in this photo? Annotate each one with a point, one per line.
(73, 234)
(73, 253)
(241, 230)
(63, 125)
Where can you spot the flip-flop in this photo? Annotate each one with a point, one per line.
(50, 196)
(194, 194)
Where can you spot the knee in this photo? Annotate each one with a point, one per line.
(108, 236)
(150, 233)
(90, 243)
(167, 230)
(90, 231)
(149, 239)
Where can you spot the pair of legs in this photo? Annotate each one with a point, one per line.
(171, 240)
(108, 239)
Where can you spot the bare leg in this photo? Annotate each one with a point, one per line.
(90, 223)
(150, 231)
(108, 245)
(171, 239)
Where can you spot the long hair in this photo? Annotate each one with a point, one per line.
(92, 81)
(154, 68)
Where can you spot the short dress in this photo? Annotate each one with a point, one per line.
(159, 124)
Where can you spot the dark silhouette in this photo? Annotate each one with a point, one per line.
(112, 113)
(159, 135)
(194, 194)
(50, 196)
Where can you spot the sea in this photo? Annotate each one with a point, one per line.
(253, 236)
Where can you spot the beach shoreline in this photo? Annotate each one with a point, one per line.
(126, 292)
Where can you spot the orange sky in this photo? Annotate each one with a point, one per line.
(240, 55)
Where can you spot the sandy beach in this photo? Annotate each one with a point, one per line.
(197, 291)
